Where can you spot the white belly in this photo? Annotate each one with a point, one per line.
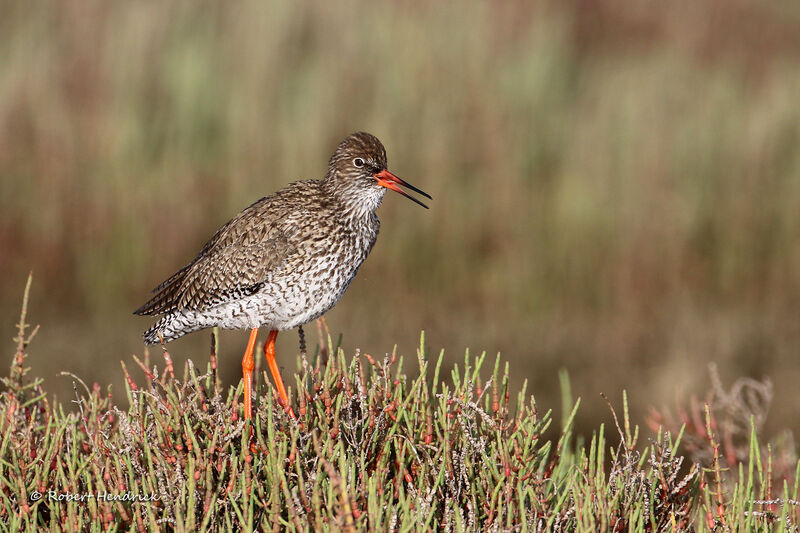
(289, 299)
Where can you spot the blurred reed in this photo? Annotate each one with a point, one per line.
(617, 187)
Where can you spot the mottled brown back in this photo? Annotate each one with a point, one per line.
(240, 255)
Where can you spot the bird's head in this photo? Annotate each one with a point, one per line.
(358, 166)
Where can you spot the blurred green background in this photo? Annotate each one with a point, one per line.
(616, 184)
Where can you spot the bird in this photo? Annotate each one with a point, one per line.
(283, 261)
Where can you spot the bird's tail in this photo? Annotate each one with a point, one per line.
(170, 327)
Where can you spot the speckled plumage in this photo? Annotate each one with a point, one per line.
(285, 260)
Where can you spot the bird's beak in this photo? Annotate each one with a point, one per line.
(390, 181)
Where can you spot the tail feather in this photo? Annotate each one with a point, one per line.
(171, 327)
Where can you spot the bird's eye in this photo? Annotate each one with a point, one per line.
(358, 162)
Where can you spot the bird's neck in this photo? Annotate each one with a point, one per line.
(355, 203)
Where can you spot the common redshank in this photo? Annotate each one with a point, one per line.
(285, 260)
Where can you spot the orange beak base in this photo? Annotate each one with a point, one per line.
(390, 181)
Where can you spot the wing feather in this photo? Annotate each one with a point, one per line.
(234, 263)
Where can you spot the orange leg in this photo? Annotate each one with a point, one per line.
(247, 372)
(269, 354)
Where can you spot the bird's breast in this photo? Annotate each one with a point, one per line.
(313, 280)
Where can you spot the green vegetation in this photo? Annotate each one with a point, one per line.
(376, 447)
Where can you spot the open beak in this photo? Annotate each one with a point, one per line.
(390, 181)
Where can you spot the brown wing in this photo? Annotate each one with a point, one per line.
(233, 264)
